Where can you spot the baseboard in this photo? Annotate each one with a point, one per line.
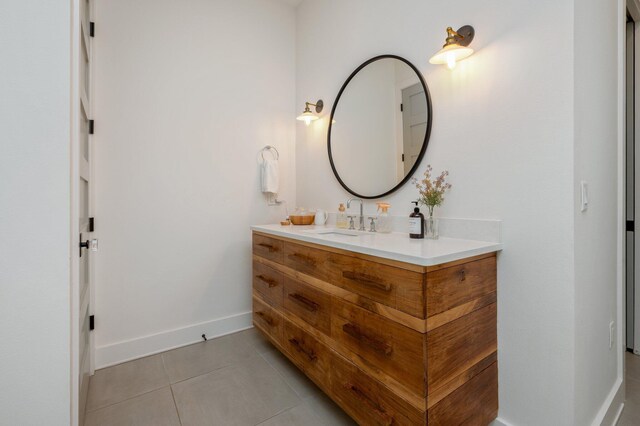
(500, 422)
(128, 350)
(611, 410)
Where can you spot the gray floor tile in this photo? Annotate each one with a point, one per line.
(151, 409)
(329, 413)
(201, 358)
(255, 337)
(118, 383)
(245, 393)
(296, 416)
(295, 378)
(633, 390)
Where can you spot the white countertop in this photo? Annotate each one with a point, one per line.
(396, 246)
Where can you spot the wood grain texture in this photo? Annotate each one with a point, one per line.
(458, 262)
(267, 319)
(437, 395)
(474, 403)
(382, 344)
(311, 355)
(308, 303)
(460, 284)
(453, 314)
(393, 314)
(269, 283)
(390, 286)
(268, 247)
(457, 346)
(390, 262)
(367, 401)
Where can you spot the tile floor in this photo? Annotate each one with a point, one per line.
(239, 379)
(631, 413)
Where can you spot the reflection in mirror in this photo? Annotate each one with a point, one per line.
(380, 126)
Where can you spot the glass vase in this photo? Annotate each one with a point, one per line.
(431, 226)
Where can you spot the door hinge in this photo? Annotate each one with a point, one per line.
(91, 127)
(630, 226)
(92, 29)
(403, 157)
(92, 224)
(92, 322)
(401, 107)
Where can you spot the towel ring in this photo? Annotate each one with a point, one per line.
(269, 148)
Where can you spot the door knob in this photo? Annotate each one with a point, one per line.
(89, 244)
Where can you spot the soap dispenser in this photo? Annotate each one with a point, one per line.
(384, 220)
(341, 220)
(416, 223)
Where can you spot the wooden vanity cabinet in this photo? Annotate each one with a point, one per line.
(392, 343)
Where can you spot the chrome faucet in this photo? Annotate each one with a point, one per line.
(361, 228)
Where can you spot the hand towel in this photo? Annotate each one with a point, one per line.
(270, 176)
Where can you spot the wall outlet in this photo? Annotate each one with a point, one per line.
(612, 329)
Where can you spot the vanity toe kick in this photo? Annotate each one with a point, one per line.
(392, 343)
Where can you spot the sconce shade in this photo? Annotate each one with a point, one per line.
(456, 47)
(307, 116)
(451, 54)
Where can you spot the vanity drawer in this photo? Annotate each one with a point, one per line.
(368, 401)
(395, 287)
(267, 319)
(269, 248)
(387, 346)
(309, 304)
(391, 286)
(460, 284)
(308, 260)
(307, 352)
(268, 282)
(459, 345)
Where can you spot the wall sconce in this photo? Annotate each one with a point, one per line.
(307, 116)
(455, 47)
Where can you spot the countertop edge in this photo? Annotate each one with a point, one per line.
(490, 247)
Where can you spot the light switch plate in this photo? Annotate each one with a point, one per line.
(584, 196)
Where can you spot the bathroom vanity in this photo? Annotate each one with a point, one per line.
(395, 331)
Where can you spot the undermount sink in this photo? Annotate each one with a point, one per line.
(334, 231)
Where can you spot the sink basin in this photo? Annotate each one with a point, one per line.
(332, 231)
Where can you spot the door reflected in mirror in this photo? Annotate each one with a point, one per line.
(379, 128)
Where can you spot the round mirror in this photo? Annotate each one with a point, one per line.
(379, 127)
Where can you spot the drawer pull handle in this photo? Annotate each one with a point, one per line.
(271, 282)
(266, 318)
(377, 408)
(463, 275)
(299, 257)
(309, 305)
(308, 352)
(367, 280)
(377, 345)
(270, 247)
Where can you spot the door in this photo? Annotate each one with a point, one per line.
(83, 208)
(414, 123)
(630, 183)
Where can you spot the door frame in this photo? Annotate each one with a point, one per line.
(75, 152)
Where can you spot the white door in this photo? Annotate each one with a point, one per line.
(83, 214)
(414, 123)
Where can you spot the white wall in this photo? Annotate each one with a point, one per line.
(503, 127)
(596, 230)
(35, 86)
(186, 95)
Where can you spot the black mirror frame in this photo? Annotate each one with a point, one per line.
(426, 136)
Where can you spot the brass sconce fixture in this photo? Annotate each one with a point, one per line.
(455, 47)
(307, 116)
